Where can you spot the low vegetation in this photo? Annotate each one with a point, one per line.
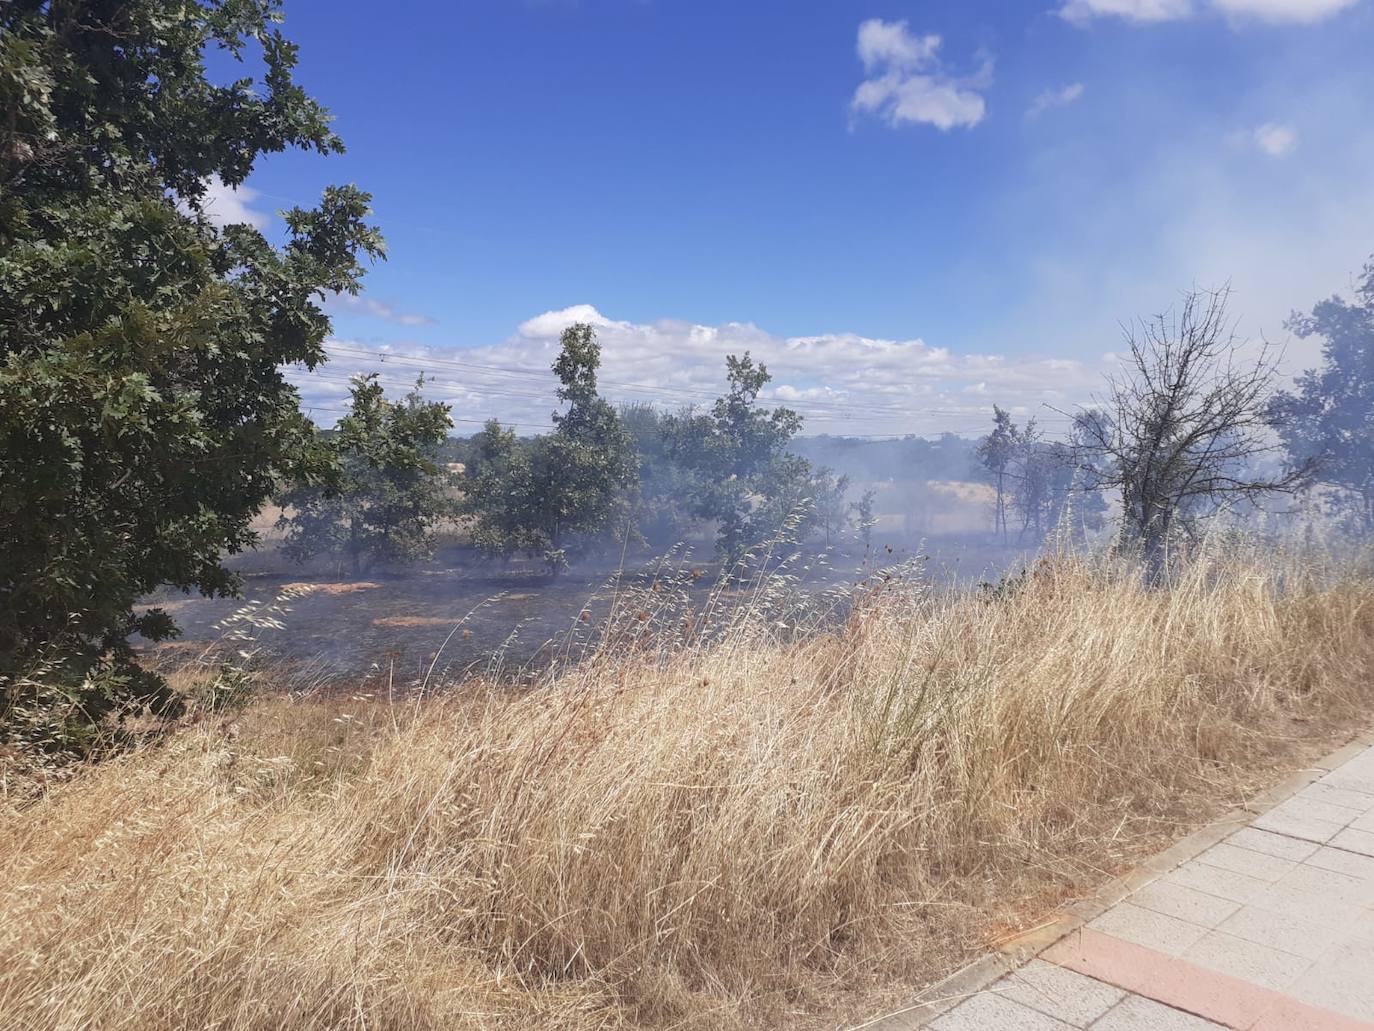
(766, 829)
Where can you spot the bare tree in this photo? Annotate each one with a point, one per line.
(1184, 427)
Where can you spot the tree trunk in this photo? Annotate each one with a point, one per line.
(999, 523)
(355, 548)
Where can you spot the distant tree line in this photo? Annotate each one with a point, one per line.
(1039, 485)
(598, 479)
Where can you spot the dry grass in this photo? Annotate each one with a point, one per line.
(346, 587)
(745, 834)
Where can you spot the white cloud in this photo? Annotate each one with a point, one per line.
(552, 323)
(1275, 140)
(889, 42)
(1302, 12)
(381, 309)
(227, 205)
(1080, 11)
(907, 83)
(1299, 11)
(840, 382)
(1054, 98)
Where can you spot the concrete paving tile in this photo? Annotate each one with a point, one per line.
(1362, 926)
(1309, 806)
(1270, 929)
(1364, 823)
(1137, 1013)
(1248, 961)
(1185, 903)
(1352, 864)
(988, 1012)
(1213, 880)
(1352, 839)
(1157, 931)
(1272, 844)
(1298, 824)
(1059, 993)
(1343, 981)
(1339, 778)
(1351, 777)
(1243, 860)
(1334, 913)
(1328, 884)
(1363, 761)
(1282, 931)
(1289, 1014)
(1343, 797)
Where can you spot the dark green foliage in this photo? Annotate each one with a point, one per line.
(995, 454)
(742, 475)
(1328, 421)
(493, 489)
(389, 490)
(143, 419)
(660, 506)
(555, 496)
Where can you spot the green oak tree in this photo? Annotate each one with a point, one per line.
(389, 492)
(144, 416)
(743, 476)
(1327, 421)
(555, 496)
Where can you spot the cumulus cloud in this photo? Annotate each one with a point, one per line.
(229, 205)
(841, 383)
(907, 83)
(1275, 140)
(1145, 11)
(379, 309)
(891, 42)
(1299, 11)
(1081, 11)
(1055, 98)
(552, 323)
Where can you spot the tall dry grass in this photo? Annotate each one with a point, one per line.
(744, 834)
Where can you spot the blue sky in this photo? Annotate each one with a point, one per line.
(911, 210)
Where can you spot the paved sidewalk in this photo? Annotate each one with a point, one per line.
(1271, 929)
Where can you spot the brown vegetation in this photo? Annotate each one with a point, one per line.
(743, 834)
(343, 587)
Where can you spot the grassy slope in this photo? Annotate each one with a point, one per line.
(750, 834)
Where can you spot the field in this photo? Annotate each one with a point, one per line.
(762, 825)
(511, 615)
